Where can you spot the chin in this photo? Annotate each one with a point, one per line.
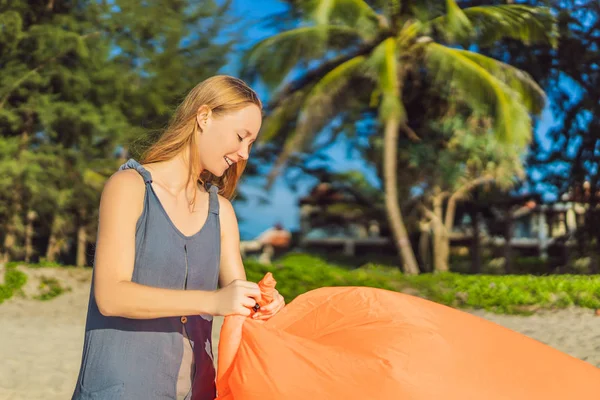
(218, 173)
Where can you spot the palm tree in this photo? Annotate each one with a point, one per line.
(381, 49)
(472, 158)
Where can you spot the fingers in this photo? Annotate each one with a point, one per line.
(277, 301)
(251, 295)
(270, 309)
(250, 289)
(260, 316)
(244, 311)
(248, 302)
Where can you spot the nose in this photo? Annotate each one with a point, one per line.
(243, 152)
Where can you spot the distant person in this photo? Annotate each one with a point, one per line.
(276, 236)
(167, 238)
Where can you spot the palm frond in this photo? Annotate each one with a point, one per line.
(322, 11)
(279, 116)
(313, 75)
(408, 34)
(457, 25)
(392, 8)
(520, 22)
(527, 24)
(273, 58)
(532, 95)
(355, 13)
(482, 91)
(320, 102)
(382, 67)
(317, 108)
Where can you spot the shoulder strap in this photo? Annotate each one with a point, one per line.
(213, 191)
(133, 164)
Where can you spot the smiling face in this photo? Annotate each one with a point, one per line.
(225, 139)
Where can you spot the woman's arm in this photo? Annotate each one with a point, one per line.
(232, 267)
(116, 295)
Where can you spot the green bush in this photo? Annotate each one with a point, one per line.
(13, 281)
(512, 294)
(532, 265)
(50, 288)
(299, 273)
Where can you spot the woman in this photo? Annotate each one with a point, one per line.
(164, 243)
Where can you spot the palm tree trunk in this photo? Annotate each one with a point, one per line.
(9, 241)
(392, 204)
(12, 227)
(31, 216)
(508, 233)
(442, 239)
(425, 247)
(81, 246)
(52, 250)
(475, 244)
(81, 240)
(53, 246)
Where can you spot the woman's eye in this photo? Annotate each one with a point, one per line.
(240, 138)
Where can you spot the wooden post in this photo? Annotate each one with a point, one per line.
(543, 234)
(349, 247)
(508, 233)
(475, 243)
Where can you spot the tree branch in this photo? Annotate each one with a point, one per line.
(451, 208)
(431, 215)
(428, 213)
(410, 133)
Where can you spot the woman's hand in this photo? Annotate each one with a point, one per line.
(267, 311)
(237, 298)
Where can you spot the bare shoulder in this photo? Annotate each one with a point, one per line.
(124, 189)
(225, 207)
(227, 218)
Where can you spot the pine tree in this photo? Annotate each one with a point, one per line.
(79, 80)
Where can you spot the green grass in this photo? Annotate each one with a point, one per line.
(508, 294)
(50, 288)
(297, 273)
(13, 281)
(46, 264)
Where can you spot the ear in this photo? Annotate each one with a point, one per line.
(203, 116)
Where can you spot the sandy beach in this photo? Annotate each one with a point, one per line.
(41, 341)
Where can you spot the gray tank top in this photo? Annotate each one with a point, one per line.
(162, 358)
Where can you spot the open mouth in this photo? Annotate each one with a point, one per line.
(228, 161)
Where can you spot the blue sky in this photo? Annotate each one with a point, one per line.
(254, 216)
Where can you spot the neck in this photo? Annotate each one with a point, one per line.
(173, 174)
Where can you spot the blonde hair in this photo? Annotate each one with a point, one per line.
(222, 94)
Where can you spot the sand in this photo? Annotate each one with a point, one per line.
(41, 341)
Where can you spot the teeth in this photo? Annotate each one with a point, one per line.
(228, 161)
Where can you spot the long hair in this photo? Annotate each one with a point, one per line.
(222, 94)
